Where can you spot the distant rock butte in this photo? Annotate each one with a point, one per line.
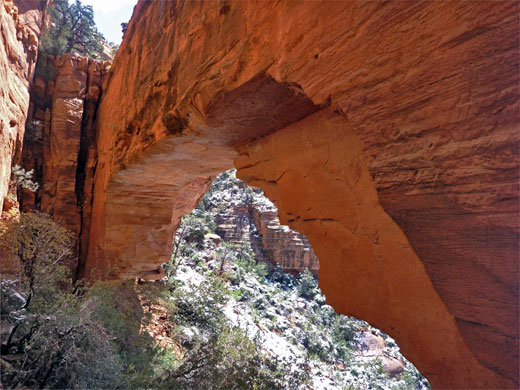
(386, 132)
(257, 223)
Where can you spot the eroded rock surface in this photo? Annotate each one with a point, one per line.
(430, 93)
(59, 143)
(387, 132)
(244, 214)
(20, 23)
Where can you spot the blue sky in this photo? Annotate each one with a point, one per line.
(109, 14)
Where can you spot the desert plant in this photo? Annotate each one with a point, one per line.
(55, 332)
(308, 286)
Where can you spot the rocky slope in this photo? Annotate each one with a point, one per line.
(286, 315)
(21, 23)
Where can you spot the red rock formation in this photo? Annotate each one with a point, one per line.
(20, 30)
(281, 245)
(405, 181)
(367, 266)
(253, 218)
(430, 93)
(60, 140)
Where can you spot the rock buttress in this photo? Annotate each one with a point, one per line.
(60, 142)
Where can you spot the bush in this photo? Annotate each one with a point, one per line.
(55, 332)
(308, 286)
(200, 307)
(64, 335)
(43, 248)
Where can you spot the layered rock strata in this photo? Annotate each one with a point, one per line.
(60, 138)
(281, 245)
(429, 91)
(252, 218)
(389, 136)
(20, 22)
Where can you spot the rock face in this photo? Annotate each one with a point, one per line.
(401, 163)
(60, 140)
(250, 216)
(386, 132)
(20, 23)
(281, 245)
(272, 243)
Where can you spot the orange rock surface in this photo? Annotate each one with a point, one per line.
(20, 23)
(59, 143)
(255, 221)
(385, 131)
(390, 139)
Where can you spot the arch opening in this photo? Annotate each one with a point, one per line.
(231, 233)
(309, 162)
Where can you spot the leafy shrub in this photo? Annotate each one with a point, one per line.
(64, 335)
(54, 330)
(200, 307)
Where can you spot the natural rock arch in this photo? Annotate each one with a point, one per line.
(346, 114)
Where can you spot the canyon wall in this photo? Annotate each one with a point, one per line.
(281, 245)
(59, 143)
(387, 132)
(244, 214)
(20, 23)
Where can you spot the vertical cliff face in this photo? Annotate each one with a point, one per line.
(60, 140)
(281, 245)
(20, 23)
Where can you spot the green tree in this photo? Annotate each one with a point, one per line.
(308, 287)
(72, 30)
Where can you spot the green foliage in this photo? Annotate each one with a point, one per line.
(218, 355)
(243, 256)
(42, 247)
(72, 30)
(202, 306)
(308, 286)
(55, 333)
(64, 347)
(66, 336)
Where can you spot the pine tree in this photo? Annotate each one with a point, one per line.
(72, 30)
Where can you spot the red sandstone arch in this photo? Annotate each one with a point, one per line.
(386, 132)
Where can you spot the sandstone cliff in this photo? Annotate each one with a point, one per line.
(60, 140)
(412, 207)
(279, 244)
(386, 132)
(20, 23)
(244, 214)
